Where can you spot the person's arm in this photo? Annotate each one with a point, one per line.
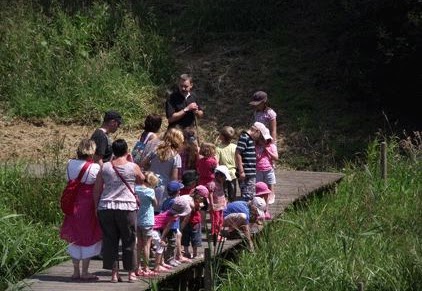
(239, 166)
(166, 230)
(98, 187)
(247, 232)
(273, 129)
(139, 177)
(176, 116)
(272, 152)
(153, 199)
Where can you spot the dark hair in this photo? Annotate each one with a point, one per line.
(119, 147)
(153, 122)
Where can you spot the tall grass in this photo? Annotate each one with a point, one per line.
(367, 232)
(72, 66)
(29, 219)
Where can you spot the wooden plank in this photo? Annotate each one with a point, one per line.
(291, 186)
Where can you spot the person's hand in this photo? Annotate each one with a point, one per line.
(192, 107)
(242, 176)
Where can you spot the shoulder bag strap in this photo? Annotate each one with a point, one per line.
(123, 179)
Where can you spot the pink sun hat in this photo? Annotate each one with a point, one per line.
(262, 189)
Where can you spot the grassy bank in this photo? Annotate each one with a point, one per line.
(367, 232)
(73, 64)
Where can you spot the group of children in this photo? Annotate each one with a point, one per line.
(208, 177)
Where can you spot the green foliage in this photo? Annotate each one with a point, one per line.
(367, 232)
(73, 67)
(26, 247)
(29, 216)
(20, 190)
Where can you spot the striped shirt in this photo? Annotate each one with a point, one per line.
(246, 148)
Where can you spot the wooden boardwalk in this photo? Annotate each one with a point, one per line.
(292, 186)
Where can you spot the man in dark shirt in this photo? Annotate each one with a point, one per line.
(111, 123)
(182, 106)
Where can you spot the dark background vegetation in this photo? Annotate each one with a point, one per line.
(337, 71)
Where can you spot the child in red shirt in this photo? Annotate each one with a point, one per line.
(206, 163)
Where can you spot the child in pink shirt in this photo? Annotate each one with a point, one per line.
(207, 163)
(218, 200)
(162, 224)
(266, 155)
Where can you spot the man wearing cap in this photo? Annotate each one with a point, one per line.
(238, 215)
(111, 123)
(182, 106)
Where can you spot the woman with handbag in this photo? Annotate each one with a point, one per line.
(117, 207)
(81, 228)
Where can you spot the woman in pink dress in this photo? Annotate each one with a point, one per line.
(81, 229)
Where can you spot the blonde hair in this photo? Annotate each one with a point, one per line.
(207, 149)
(86, 149)
(170, 145)
(151, 179)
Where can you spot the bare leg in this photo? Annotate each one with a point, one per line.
(115, 277)
(146, 250)
(85, 275)
(76, 272)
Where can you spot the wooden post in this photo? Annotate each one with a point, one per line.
(384, 160)
(207, 272)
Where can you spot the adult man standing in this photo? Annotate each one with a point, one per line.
(182, 107)
(111, 123)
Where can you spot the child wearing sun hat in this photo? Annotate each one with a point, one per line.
(162, 225)
(263, 191)
(218, 200)
(266, 156)
(192, 225)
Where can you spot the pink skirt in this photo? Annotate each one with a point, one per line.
(82, 228)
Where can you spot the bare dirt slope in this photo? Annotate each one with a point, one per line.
(225, 74)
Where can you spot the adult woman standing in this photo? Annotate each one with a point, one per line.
(81, 229)
(166, 162)
(117, 210)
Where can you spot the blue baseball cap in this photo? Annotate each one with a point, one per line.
(174, 186)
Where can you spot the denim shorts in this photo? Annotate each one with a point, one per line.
(145, 231)
(268, 177)
(192, 235)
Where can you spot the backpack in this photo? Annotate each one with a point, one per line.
(68, 198)
(139, 147)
